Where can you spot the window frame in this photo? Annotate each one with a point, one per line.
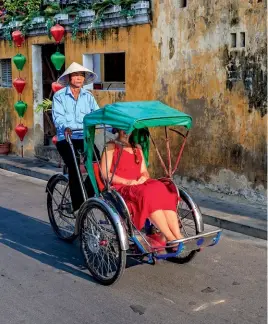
(5, 73)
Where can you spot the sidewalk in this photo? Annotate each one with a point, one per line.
(225, 212)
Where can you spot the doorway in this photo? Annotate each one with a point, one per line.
(49, 75)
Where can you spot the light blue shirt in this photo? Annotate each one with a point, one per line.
(68, 112)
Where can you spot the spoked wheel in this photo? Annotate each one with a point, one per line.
(100, 244)
(188, 228)
(59, 207)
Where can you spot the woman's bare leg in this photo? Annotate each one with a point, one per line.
(173, 223)
(159, 219)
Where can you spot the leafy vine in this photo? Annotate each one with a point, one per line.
(25, 10)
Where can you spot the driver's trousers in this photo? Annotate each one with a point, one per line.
(75, 189)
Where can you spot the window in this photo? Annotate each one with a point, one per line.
(182, 3)
(110, 69)
(114, 67)
(242, 39)
(233, 39)
(5, 73)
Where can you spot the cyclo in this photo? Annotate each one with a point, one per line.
(104, 222)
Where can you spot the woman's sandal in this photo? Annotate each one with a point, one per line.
(173, 247)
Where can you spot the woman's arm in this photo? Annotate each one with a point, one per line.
(116, 179)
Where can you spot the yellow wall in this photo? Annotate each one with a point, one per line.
(135, 42)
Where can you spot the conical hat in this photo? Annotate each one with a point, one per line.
(75, 67)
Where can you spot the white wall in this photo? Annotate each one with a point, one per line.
(37, 93)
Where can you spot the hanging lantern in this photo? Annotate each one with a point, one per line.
(19, 84)
(56, 86)
(21, 131)
(57, 32)
(17, 37)
(20, 107)
(54, 139)
(19, 60)
(58, 60)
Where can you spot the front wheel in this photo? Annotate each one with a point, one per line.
(59, 207)
(100, 243)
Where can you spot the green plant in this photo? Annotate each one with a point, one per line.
(100, 8)
(7, 30)
(22, 7)
(75, 27)
(27, 22)
(50, 23)
(52, 9)
(45, 106)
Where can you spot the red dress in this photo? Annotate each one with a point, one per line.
(143, 199)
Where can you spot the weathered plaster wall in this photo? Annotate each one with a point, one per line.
(224, 89)
(107, 97)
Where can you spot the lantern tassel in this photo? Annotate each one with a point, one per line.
(22, 150)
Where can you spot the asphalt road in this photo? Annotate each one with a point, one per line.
(43, 280)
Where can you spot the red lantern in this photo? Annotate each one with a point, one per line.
(1, 13)
(17, 37)
(57, 32)
(54, 139)
(19, 84)
(21, 131)
(56, 86)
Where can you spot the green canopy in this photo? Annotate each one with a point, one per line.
(134, 117)
(138, 114)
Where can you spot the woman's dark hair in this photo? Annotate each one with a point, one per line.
(134, 148)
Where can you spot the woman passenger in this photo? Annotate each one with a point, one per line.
(149, 198)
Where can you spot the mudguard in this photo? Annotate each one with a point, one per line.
(196, 210)
(113, 214)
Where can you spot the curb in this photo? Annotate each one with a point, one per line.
(27, 172)
(222, 223)
(235, 227)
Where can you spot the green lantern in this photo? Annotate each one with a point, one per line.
(20, 107)
(58, 60)
(19, 60)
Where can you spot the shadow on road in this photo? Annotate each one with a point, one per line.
(35, 238)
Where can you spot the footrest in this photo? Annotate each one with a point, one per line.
(193, 243)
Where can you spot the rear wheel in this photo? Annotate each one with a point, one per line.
(60, 211)
(188, 228)
(100, 244)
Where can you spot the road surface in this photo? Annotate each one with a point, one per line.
(43, 280)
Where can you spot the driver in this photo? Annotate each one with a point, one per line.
(69, 107)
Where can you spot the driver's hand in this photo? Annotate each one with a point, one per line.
(67, 131)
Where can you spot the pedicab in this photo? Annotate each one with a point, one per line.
(104, 222)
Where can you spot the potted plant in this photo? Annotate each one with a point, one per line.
(46, 108)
